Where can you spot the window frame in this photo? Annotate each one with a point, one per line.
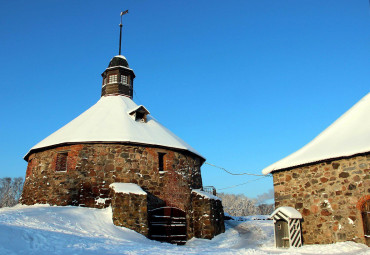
(60, 166)
(161, 163)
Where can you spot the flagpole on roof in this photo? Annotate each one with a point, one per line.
(120, 31)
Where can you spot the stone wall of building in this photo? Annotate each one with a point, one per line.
(91, 168)
(208, 217)
(329, 196)
(130, 211)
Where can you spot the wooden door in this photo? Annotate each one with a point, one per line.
(167, 224)
(281, 234)
(365, 211)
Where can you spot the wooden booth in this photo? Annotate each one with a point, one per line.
(287, 221)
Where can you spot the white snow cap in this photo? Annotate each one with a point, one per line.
(109, 121)
(127, 188)
(205, 194)
(347, 136)
(288, 211)
(119, 56)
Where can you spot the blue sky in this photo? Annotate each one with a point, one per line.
(246, 83)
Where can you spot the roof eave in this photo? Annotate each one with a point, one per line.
(316, 162)
(26, 157)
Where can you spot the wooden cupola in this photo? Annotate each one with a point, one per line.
(118, 78)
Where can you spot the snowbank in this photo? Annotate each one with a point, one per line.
(47, 230)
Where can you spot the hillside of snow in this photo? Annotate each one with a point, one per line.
(46, 230)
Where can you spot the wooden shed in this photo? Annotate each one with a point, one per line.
(287, 221)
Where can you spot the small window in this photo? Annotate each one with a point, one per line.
(112, 78)
(160, 161)
(140, 116)
(61, 163)
(124, 79)
(139, 113)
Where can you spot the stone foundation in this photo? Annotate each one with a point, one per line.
(328, 195)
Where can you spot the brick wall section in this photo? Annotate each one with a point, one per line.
(130, 211)
(208, 217)
(327, 195)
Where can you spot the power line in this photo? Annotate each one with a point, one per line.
(234, 173)
(244, 183)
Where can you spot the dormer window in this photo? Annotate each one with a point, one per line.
(124, 79)
(139, 113)
(113, 78)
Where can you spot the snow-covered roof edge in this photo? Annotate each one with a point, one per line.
(205, 194)
(345, 137)
(127, 188)
(288, 211)
(25, 157)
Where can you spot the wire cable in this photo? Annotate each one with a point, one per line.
(243, 183)
(234, 173)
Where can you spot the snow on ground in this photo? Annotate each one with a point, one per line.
(44, 229)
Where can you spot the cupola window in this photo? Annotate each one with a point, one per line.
(113, 78)
(124, 79)
(61, 162)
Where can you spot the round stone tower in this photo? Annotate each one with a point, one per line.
(116, 154)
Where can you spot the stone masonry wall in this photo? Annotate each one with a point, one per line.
(130, 211)
(329, 197)
(91, 168)
(208, 217)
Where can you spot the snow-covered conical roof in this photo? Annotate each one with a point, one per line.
(109, 120)
(349, 135)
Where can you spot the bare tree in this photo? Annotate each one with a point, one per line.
(265, 209)
(10, 191)
(238, 205)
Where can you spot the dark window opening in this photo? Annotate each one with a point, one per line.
(160, 161)
(61, 163)
(140, 116)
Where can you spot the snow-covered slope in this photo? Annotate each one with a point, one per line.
(109, 121)
(347, 136)
(46, 230)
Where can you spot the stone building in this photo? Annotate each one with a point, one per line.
(116, 154)
(328, 180)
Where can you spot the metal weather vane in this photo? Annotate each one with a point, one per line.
(120, 31)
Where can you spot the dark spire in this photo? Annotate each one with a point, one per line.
(120, 31)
